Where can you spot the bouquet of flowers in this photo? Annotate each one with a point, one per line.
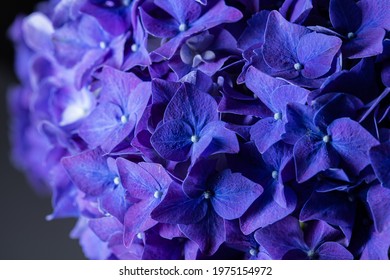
(197, 129)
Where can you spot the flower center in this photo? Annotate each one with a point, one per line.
(298, 66)
(157, 194)
(207, 194)
(326, 138)
(351, 35)
(140, 235)
(124, 119)
(134, 47)
(116, 180)
(275, 174)
(102, 45)
(194, 138)
(183, 27)
(278, 116)
(253, 252)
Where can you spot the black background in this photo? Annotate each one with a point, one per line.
(24, 232)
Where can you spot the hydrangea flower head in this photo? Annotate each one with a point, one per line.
(204, 129)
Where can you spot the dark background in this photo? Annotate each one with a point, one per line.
(24, 232)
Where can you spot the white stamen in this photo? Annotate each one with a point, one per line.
(183, 27)
(278, 116)
(157, 194)
(253, 252)
(194, 138)
(140, 235)
(351, 35)
(326, 138)
(124, 119)
(134, 47)
(102, 45)
(275, 174)
(207, 194)
(298, 66)
(117, 180)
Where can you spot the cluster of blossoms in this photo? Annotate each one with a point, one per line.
(196, 129)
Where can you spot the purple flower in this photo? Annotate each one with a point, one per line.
(294, 53)
(186, 18)
(206, 200)
(362, 25)
(123, 100)
(320, 143)
(143, 187)
(203, 129)
(191, 128)
(318, 240)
